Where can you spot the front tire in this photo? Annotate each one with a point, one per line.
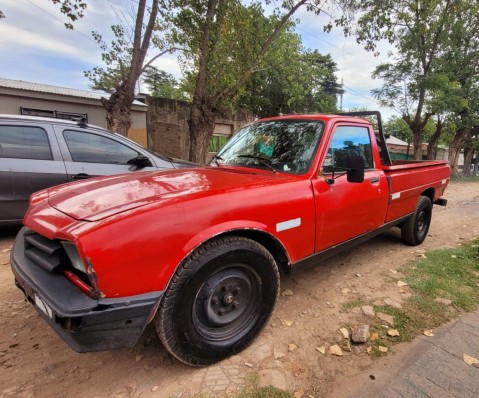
(414, 230)
(218, 300)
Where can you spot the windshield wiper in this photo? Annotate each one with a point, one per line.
(261, 160)
(216, 158)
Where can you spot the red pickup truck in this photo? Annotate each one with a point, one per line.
(199, 251)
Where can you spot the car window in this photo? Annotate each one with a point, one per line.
(94, 148)
(24, 142)
(348, 141)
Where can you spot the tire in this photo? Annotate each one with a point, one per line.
(218, 300)
(414, 230)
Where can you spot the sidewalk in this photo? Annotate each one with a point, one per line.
(428, 367)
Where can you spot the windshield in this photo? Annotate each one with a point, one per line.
(281, 145)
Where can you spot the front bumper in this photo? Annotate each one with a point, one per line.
(85, 324)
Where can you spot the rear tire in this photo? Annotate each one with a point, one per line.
(218, 300)
(414, 230)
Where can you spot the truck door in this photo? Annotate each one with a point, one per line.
(345, 210)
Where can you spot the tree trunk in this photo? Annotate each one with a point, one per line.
(431, 146)
(118, 111)
(468, 156)
(202, 125)
(461, 136)
(417, 141)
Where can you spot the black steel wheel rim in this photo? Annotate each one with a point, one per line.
(227, 304)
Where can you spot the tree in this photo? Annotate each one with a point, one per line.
(163, 84)
(417, 29)
(226, 43)
(125, 62)
(73, 10)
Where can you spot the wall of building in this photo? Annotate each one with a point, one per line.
(167, 124)
(12, 100)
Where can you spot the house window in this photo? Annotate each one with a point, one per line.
(54, 114)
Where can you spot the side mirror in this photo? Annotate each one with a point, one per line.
(355, 168)
(140, 161)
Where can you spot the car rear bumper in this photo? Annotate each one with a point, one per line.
(85, 324)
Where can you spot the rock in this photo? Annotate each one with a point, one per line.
(298, 393)
(288, 322)
(470, 360)
(139, 357)
(249, 365)
(345, 290)
(335, 350)
(278, 354)
(359, 275)
(155, 388)
(287, 293)
(421, 255)
(374, 336)
(260, 352)
(382, 349)
(393, 303)
(386, 318)
(428, 333)
(368, 350)
(444, 301)
(272, 377)
(368, 310)
(292, 347)
(402, 284)
(393, 332)
(345, 333)
(321, 349)
(345, 346)
(361, 334)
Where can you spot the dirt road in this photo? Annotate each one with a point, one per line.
(34, 362)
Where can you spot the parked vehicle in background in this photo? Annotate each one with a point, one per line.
(37, 152)
(199, 250)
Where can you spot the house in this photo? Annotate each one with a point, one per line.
(18, 97)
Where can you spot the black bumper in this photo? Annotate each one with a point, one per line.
(84, 323)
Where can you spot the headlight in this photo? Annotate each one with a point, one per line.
(74, 256)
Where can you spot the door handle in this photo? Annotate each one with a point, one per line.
(80, 176)
(374, 180)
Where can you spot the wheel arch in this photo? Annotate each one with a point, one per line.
(267, 240)
(429, 193)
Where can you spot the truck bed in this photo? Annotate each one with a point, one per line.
(408, 179)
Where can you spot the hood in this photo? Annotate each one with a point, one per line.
(98, 198)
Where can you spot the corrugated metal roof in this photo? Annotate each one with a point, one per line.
(47, 88)
(395, 141)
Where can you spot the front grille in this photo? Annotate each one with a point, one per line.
(48, 254)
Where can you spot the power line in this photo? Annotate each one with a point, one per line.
(59, 20)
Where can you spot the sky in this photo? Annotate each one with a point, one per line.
(36, 47)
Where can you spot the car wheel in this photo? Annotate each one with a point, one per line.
(218, 300)
(414, 229)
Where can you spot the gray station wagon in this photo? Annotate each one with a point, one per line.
(37, 152)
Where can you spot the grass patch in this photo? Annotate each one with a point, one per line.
(451, 274)
(354, 303)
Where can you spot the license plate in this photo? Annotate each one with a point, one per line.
(43, 306)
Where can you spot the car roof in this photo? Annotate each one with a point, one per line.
(72, 123)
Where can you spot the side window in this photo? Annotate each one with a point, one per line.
(348, 141)
(94, 148)
(24, 142)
